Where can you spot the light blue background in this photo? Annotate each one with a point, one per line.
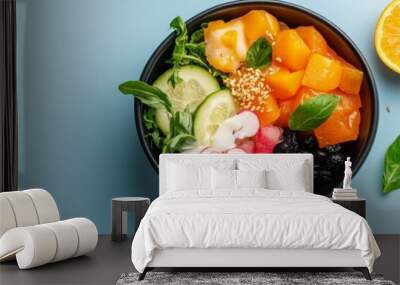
(77, 135)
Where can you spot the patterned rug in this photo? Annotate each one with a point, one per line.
(244, 278)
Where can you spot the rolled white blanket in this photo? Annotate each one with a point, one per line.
(40, 244)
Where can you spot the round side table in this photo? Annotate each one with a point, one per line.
(120, 207)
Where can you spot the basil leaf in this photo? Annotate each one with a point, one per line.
(259, 54)
(313, 112)
(147, 94)
(391, 175)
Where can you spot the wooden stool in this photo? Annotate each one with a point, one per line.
(120, 207)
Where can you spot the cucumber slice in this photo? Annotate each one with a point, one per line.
(215, 109)
(196, 85)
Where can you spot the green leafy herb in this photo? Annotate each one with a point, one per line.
(313, 112)
(180, 136)
(151, 127)
(204, 25)
(188, 51)
(259, 54)
(391, 175)
(218, 74)
(179, 143)
(197, 36)
(182, 122)
(179, 50)
(147, 94)
(179, 26)
(198, 50)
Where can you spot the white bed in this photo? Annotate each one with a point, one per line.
(202, 225)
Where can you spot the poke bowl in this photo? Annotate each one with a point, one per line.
(273, 77)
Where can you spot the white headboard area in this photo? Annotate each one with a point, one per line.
(206, 160)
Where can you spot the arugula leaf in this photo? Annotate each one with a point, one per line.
(147, 94)
(182, 122)
(179, 143)
(197, 36)
(152, 128)
(149, 118)
(174, 79)
(259, 54)
(188, 51)
(181, 136)
(391, 175)
(218, 74)
(311, 113)
(204, 25)
(179, 26)
(179, 50)
(198, 49)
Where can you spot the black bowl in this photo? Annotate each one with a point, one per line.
(292, 15)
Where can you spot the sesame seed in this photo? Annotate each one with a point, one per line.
(248, 88)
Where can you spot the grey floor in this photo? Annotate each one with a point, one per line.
(103, 266)
(110, 260)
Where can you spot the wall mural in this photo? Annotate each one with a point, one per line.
(260, 84)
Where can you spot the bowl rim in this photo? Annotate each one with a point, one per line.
(138, 106)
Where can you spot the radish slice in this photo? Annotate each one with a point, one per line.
(249, 124)
(247, 145)
(198, 149)
(210, 150)
(224, 137)
(267, 138)
(240, 126)
(236, 151)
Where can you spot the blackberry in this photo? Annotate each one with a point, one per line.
(320, 157)
(323, 176)
(309, 144)
(332, 149)
(335, 162)
(289, 143)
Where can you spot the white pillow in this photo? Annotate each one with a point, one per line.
(251, 178)
(181, 177)
(282, 174)
(223, 179)
(292, 179)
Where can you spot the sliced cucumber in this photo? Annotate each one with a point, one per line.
(162, 120)
(196, 84)
(215, 109)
